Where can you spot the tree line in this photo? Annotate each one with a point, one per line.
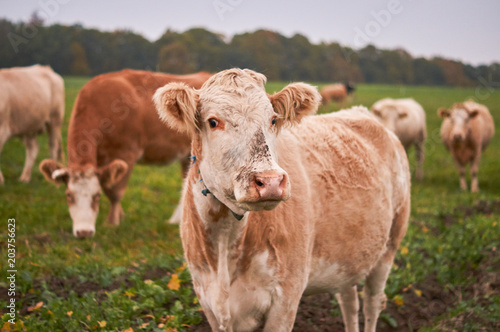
(75, 50)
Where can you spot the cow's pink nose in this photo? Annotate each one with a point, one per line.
(270, 186)
(83, 234)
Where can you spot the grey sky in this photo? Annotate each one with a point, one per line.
(465, 30)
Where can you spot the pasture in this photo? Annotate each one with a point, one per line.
(132, 277)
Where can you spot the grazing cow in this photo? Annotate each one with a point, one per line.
(466, 130)
(31, 101)
(336, 92)
(113, 126)
(405, 118)
(259, 232)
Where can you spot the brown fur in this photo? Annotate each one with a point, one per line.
(476, 133)
(333, 92)
(114, 122)
(31, 102)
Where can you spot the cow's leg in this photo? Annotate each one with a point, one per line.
(461, 173)
(31, 153)
(177, 215)
(282, 314)
(4, 136)
(115, 210)
(55, 142)
(115, 195)
(420, 154)
(349, 305)
(474, 168)
(374, 298)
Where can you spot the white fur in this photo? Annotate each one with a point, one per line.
(83, 216)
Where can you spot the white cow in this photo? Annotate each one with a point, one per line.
(31, 101)
(272, 212)
(405, 118)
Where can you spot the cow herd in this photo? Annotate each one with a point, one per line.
(277, 202)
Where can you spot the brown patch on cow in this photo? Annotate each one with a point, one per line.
(70, 197)
(218, 213)
(258, 147)
(198, 248)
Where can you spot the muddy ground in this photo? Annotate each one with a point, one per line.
(315, 312)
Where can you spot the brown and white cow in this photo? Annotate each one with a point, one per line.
(336, 92)
(31, 101)
(466, 131)
(405, 118)
(274, 211)
(113, 126)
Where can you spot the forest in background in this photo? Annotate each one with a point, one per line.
(76, 50)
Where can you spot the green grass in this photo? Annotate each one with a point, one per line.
(120, 277)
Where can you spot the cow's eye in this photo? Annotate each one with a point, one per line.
(273, 121)
(213, 123)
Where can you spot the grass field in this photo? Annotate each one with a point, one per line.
(132, 278)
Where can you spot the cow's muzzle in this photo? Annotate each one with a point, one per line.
(270, 186)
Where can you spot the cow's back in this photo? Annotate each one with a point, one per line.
(483, 126)
(412, 127)
(349, 178)
(116, 111)
(30, 97)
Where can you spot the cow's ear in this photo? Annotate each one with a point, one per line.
(54, 172)
(402, 115)
(177, 104)
(112, 173)
(295, 101)
(444, 113)
(473, 113)
(376, 112)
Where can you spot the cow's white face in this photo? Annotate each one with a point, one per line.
(83, 194)
(459, 118)
(234, 127)
(239, 162)
(83, 190)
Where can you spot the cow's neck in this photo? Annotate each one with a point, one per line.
(222, 243)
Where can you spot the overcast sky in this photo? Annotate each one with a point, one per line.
(466, 30)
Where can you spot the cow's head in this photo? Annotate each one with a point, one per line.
(459, 117)
(234, 124)
(83, 189)
(388, 114)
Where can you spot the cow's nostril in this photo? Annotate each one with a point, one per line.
(259, 183)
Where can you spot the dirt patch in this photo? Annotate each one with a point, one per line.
(423, 302)
(155, 274)
(481, 207)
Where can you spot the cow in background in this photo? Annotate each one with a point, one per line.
(113, 126)
(31, 102)
(336, 92)
(466, 131)
(405, 118)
